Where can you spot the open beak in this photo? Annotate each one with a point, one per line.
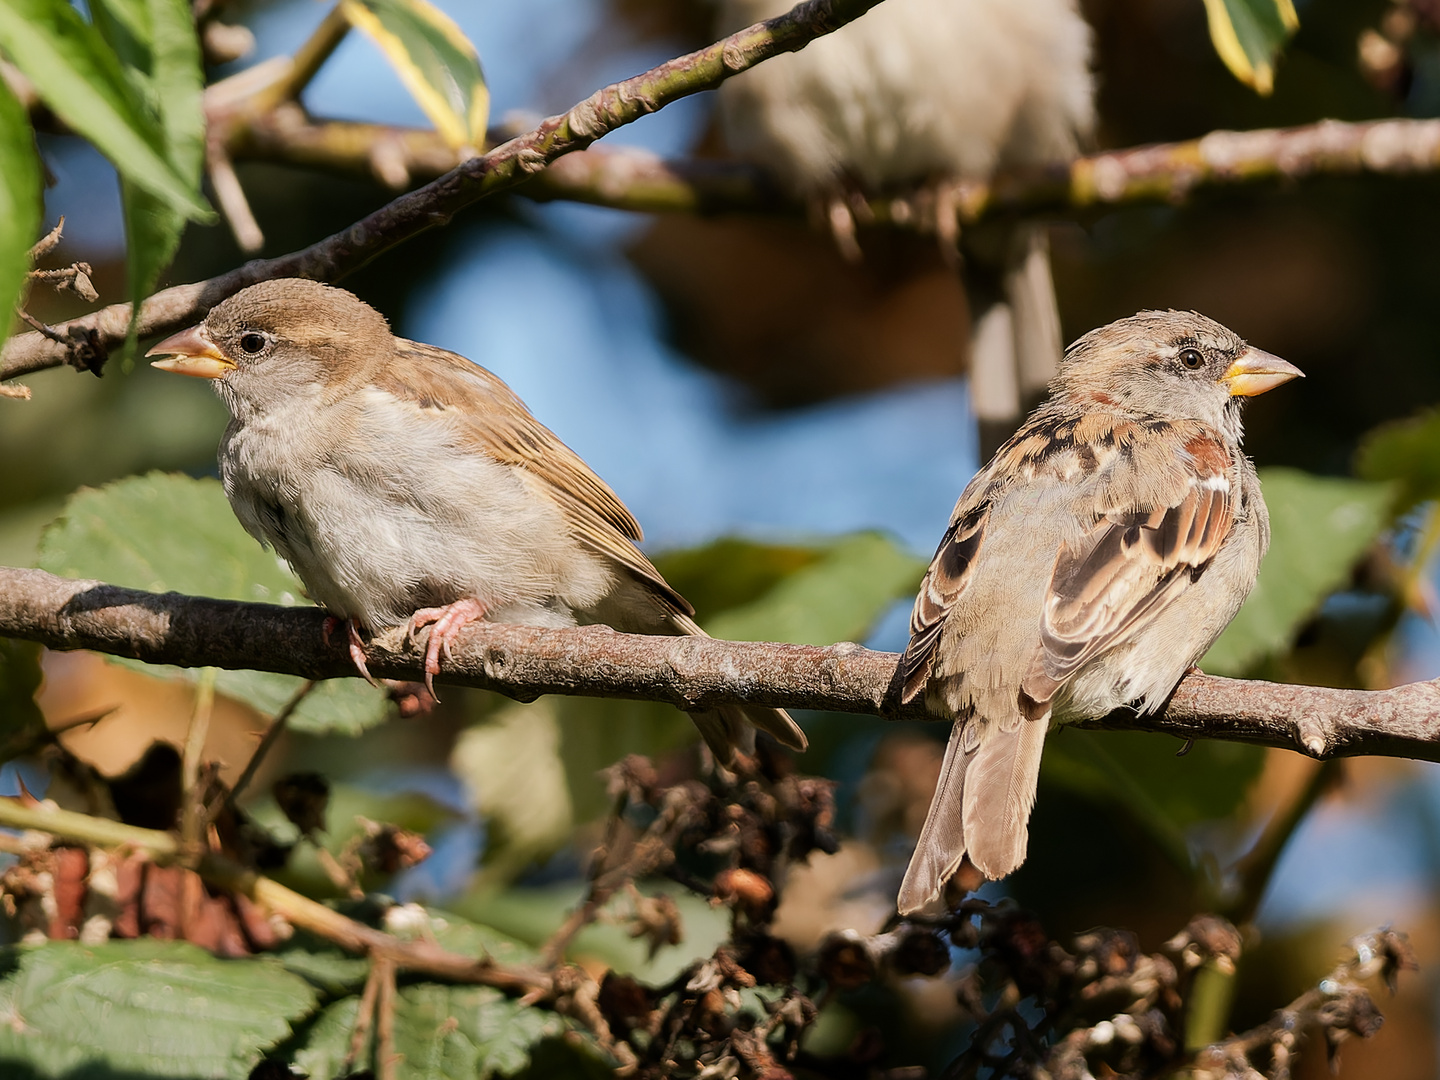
(1256, 371)
(191, 352)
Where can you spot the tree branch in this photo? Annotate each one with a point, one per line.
(433, 205)
(690, 673)
(621, 178)
(630, 179)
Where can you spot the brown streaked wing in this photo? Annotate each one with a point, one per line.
(1131, 565)
(507, 432)
(942, 586)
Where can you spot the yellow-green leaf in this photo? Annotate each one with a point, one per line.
(1249, 34)
(434, 59)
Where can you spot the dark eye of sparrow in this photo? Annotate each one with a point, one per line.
(1192, 359)
(253, 343)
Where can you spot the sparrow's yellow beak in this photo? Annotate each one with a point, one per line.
(191, 352)
(1256, 371)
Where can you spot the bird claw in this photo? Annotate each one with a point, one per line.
(445, 623)
(355, 645)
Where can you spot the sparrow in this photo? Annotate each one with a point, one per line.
(1088, 566)
(938, 93)
(407, 485)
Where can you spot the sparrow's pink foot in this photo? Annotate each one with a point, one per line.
(357, 647)
(445, 624)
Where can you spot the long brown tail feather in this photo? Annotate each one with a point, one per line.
(981, 808)
(942, 840)
(1000, 792)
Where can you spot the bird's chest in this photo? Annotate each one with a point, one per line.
(380, 514)
(315, 494)
(264, 467)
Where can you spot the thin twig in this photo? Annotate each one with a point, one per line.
(47, 243)
(338, 874)
(634, 179)
(586, 911)
(231, 197)
(643, 859)
(193, 818)
(387, 1061)
(43, 329)
(268, 740)
(308, 60)
(364, 1016)
(1338, 1004)
(74, 278)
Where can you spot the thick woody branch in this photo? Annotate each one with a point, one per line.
(436, 203)
(629, 179)
(691, 673)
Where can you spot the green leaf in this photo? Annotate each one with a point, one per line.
(434, 59)
(146, 1007)
(1141, 773)
(80, 77)
(1407, 452)
(323, 964)
(19, 199)
(729, 572)
(22, 725)
(1249, 34)
(152, 234)
(492, 1034)
(157, 38)
(177, 82)
(836, 597)
(1320, 527)
(165, 532)
(462, 935)
(125, 26)
(443, 1033)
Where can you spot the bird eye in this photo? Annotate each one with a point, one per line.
(1192, 359)
(253, 343)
